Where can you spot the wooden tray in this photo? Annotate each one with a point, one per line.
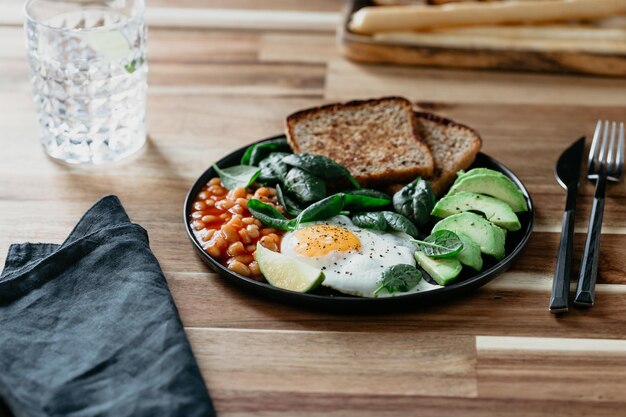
(577, 48)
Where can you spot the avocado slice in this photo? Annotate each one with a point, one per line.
(488, 236)
(470, 254)
(496, 211)
(491, 183)
(476, 171)
(442, 270)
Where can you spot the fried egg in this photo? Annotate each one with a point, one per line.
(351, 257)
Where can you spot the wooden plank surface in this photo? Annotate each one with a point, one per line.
(333, 362)
(496, 352)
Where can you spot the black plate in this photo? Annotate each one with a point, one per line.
(330, 299)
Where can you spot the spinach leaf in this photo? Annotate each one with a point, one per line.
(372, 220)
(268, 215)
(323, 209)
(305, 187)
(257, 152)
(245, 158)
(441, 244)
(237, 176)
(415, 201)
(320, 166)
(399, 278)
(287, 202)
(384, 221)
(362, 202)
(370, 193)
(400, 223)
(273, 170)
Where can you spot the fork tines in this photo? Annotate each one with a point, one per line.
(600, 160)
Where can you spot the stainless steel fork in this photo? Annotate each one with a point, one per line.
(606, 161)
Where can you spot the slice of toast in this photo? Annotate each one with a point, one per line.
(376, 140)
(454, 147)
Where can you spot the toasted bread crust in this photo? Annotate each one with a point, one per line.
(383, 175)
(443, 178)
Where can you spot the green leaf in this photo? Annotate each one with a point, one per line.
(263, 150)
(320, 166)
(287, 202)
(415, 201)
(322, 210)
(441, 244)
(385, 221)
(259, 151)
(237, 176)
(273, 170)
(399, 278)
(369, 193)
(268, 215)
(305, 187)
(372, 220)
(363, 202)
(245, 158)
(400, 223)
(354, 182)
(131, 66)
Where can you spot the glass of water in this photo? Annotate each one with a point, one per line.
(88, 71)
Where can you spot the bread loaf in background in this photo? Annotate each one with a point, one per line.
(373, 19)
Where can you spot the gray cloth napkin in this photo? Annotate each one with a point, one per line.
(89, 328)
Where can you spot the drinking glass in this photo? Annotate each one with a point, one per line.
(88, 71)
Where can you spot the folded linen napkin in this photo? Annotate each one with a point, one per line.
(89, 328)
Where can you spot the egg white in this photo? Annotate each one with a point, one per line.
(359, 272)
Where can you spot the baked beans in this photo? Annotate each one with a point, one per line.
(228, 231)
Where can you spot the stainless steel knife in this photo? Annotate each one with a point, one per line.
(567, 173)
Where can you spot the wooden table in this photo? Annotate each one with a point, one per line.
(497, 352)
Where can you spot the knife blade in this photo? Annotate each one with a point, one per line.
(567, 173)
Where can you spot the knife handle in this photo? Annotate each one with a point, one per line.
(560, 285)
(586, 289)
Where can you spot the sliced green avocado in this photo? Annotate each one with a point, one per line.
(491, 183)
(496, 211)
(488, 236)
(476, 171)
(470, 254)
(442, 270)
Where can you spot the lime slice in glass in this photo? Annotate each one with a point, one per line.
(112, 45)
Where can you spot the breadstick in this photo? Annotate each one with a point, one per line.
(369, 20)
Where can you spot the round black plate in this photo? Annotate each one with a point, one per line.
(329, 299)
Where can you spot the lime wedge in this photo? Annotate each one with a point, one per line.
(284, 272)
(111, 45)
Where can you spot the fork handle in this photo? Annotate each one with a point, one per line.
(585, 292)
(560, 285)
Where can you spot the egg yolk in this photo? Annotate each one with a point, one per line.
(321, 239)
